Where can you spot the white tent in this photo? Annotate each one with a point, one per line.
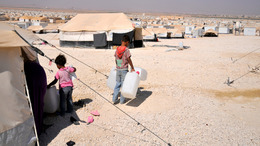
(249, 31)
(16, 119)
(189, 29)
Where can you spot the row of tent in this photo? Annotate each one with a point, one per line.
(104, 30)
(16, 118)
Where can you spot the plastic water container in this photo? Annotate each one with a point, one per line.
(142, 73)
(51, 100)
(73, 75)
(130, 85)
(111, 81)
(180, 44)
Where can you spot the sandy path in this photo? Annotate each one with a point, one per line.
(183, 100)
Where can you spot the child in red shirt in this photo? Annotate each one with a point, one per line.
(122, 58)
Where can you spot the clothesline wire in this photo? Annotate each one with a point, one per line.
(228, 82)
(245, 55)
(74, 58)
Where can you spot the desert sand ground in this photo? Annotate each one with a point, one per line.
(184, 99)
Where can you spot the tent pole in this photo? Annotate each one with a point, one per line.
(30, 104)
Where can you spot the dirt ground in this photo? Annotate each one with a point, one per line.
(184, 100)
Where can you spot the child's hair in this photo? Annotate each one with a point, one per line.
(60, 60)
(126, 38)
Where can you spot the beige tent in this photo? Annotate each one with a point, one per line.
(80, 30)
(16, 120)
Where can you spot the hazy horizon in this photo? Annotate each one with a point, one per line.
(220, 7)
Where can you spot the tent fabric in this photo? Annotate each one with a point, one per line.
(157, 30)
(211, 31)
(52, 27)
(117, 37)
(29, 36)
(100, 40)
(138, 34)
(22, 134)
(98, 22)
(16, 121)
(145, 32)
(35, 28)
(10, 39)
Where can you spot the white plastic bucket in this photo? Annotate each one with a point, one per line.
(111, 81)
(142, 73)
(51, 100)
(130, 85)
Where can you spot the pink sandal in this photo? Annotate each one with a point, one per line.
(95, 113)
(90, 119)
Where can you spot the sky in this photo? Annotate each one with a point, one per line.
(209, 7)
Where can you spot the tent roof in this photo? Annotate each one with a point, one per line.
(10, 39)
(145, 32)
(157, 30)
(98, 22)
(52, 26)
(35, 28)
(39, 18)
(26, 17)
(211, 31)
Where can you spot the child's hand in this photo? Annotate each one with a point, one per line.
(132, 70)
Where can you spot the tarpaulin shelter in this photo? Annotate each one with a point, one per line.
(35, 28)
(198, 32)
(160, 32)
(16, 119)
(80, 30)
(210, 33)
(52, 28)
(148, 35)
(175, 33)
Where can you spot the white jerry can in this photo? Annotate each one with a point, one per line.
(142, 73)
(111, 81)
(130, 85)
(51, 100)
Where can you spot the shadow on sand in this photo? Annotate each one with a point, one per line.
(140, 97)
(55, 123)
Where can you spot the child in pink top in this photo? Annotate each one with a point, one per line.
(65, 83)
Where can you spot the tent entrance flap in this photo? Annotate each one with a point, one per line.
(100, 40)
